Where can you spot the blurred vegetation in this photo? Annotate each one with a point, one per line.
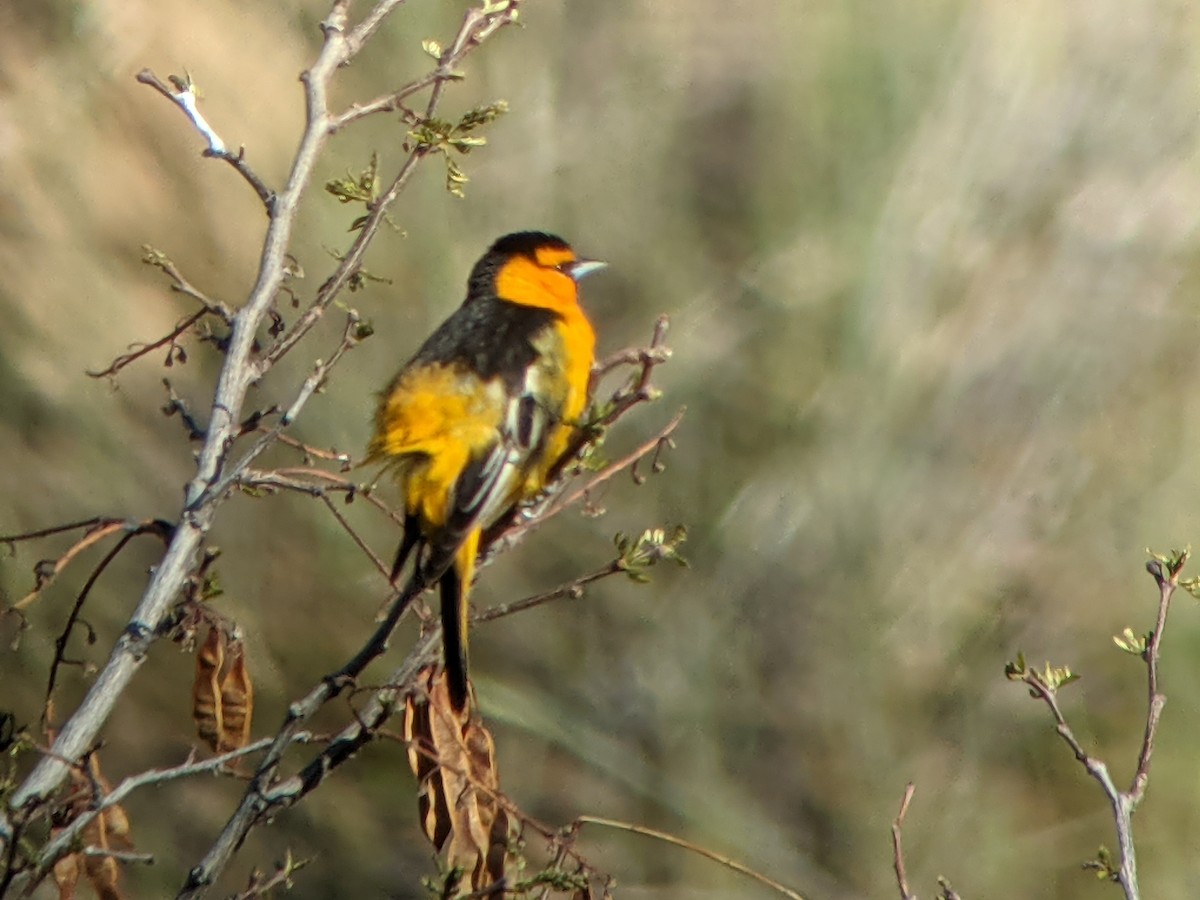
(931, 269)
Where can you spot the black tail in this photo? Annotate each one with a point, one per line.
(412, 534)
(454, 642)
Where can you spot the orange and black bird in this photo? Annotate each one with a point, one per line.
(477, 420)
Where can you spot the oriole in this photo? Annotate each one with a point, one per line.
(476, 421)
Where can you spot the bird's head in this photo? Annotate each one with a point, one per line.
(531, 268)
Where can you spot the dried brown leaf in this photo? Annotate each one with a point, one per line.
(206, 689)
(66, 876)
(431, 798)
(102, 872)
(116, 820)
(237, 700)
(454, 758)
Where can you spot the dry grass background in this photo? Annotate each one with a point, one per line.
(932, 271)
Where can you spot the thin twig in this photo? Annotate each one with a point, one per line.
(358, 36)
(60, 643)
(260, 886)
(137, 351)
(897, 849)
(293, 479)
(181, 285)
(99, 530)
(1167, 582)
(694, 848)
(350, 339)
(1099, 771)
(654, 354)
(390, 102)
(572, 589)
(367, 722)
(310, 452)
(94, 522)
(653, 445)
(383, 568)
(631, 356)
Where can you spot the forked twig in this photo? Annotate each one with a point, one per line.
(65, 839)
(1044, 687)
(184, 96)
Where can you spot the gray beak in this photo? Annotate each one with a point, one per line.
(583, 267)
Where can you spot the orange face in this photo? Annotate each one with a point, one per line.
(540, 281)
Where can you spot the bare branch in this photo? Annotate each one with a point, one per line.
(119, 855)
(1167, 581)
(572, 589)
(65, 839)
(184, 96)
(263, 792)
(310, 452)
(237, 374)
(476, 26)
(181, 285)
(163, 531)
(1123, 803)
(390, 102)
(350, 338)
(364, 30)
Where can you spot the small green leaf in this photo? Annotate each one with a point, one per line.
(1174, 560)
(1054, 677)
(361, 188)
(480, 116)
(653, 545)
(435, 135)
(433, 48)
(1131, 643)
(1103, 865)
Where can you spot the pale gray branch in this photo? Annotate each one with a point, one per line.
(80, 731)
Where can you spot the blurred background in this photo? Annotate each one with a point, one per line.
(931, 272)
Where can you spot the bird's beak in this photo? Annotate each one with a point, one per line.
(582, 267)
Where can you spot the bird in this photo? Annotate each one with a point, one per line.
(477, 421)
